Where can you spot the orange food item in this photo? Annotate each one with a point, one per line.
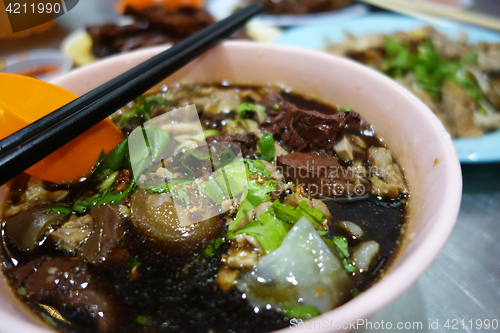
(24, 100)
(170, 4)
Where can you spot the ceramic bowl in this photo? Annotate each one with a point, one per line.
(422, 145)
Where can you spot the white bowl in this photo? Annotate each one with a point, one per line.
(410, 129)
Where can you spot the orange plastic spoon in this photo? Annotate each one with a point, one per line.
(24, 100)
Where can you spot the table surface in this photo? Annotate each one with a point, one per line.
(463, 283)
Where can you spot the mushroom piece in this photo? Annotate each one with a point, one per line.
(25, 231)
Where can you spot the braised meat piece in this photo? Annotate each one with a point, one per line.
(304, 131)
(66, 284)
(153, 26)
(386, 177)
(183, 22)
(108, 231)
(246, 142)
(294, 7)
(320, 174)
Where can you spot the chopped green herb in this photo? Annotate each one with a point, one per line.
(83, 204)
(58, 208)
(266, 148)
(431, 70)
(342, 246)
(205, 134)
(243, 108)
(143, 107)
(268, 229)
(158, 100)
(256, 167)
(292, 215)
(109, 181)
(276, 106)
(339, 244)
(262, 109)
(300, 311)
(212, 246)
(133, 262)
(142, 320)
(346, 109)
(114, 161)
(159, 188)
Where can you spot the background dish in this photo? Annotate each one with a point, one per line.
(223, 8)
(318, 36)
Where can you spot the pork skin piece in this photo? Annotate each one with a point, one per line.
(320, 174)
(459, 109)
(386, 177)
(304, 131)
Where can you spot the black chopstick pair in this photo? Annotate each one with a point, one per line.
(32, 143)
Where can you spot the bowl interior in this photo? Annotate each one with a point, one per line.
(409, 128)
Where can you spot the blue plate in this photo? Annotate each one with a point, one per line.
(318, 36)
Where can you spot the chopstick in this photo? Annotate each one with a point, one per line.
(29, 145)
(223, 29)
(412, 8)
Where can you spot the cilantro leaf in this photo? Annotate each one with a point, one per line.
(268, 229)
(340, 245)
(300, 311)
(266, 148)
(292, 215)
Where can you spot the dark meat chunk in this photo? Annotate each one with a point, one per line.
(94, 305)
(301, 130)
(320, 174)
(183, 22)
(18, 274)
(108, 231)
(66, 284)
(56, 275)
(110, 39)
(246, 142)
(153, 26)
(294, 7)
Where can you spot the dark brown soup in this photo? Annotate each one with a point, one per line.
(255, 208)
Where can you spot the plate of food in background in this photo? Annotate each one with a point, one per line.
(148, 23)
(454, 69)
(284, 13)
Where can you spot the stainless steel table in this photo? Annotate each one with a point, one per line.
(464, 282)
